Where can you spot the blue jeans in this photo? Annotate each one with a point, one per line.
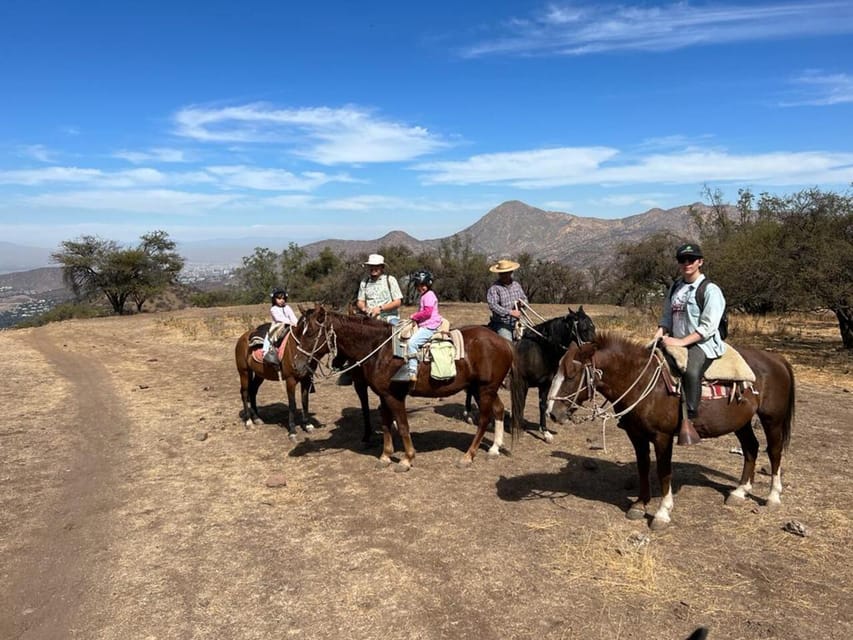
(418, 339)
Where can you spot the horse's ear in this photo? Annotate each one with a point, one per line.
(571, 313)
(580, 310)
(300, 307)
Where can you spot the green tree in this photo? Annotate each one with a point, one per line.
(93, 266)
(259, 275)
(646, 269)
(160, 266)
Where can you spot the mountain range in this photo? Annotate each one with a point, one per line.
(507, 230)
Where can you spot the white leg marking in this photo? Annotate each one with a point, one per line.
(553, 391)
(495, 449)
(666, 505)
(775, 497)
(742, 491)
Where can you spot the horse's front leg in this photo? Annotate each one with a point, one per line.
(305, 385)
(543, 411)
(663, 456)
(290, 386)
(637, 510)
(360, 386)
(749, 447)
(254, 384)
(387, 439)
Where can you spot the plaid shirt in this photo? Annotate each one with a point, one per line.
(502, 300)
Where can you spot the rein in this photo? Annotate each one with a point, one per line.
(528, 325)
(589, 380)
(331, 341)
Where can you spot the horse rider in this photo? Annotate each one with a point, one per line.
(503, 298)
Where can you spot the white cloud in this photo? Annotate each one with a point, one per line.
(39, 152)
(155, 154)
(822, 89)
(320, 134)
(240, 176)
(594, 28)
(152, 201)
(524, 169)
(603, 166)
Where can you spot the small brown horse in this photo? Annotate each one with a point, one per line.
(253, 373)
(620, 370)
(488, 358)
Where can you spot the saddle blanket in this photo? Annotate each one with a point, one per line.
(257, 350)
(729, 366)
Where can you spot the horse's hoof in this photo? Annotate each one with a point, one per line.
(548, 436)
(464, 463)
(658, 524)
(255, 421)
(493, 452)
(635, 513)
(248, 424)
(293, 436)
(734, 500)
(382, 464)
(773, 505)
(308, 428)
(468, 418)
(402, 468)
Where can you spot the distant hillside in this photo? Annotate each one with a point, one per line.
(514, 227)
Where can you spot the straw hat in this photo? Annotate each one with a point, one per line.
(374, 260)
(504, 266)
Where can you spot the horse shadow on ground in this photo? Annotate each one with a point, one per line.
(600, 480)
(347, 430)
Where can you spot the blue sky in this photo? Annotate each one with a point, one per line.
(304, 121)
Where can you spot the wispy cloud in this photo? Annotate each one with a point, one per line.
(156, 154)
(523, 169)
(244, 177)
(606, 166)
(587, 29)
(822, 89)
(39, 152)
(320, 134)
(150, 201)
(222, 177)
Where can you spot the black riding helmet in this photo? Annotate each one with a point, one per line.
(422, 277)
(278, 291)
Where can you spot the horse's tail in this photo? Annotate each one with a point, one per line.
(788, 423)
(518, 393)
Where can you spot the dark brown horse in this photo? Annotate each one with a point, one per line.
(253, 373)
(488, 358)
(624, 373)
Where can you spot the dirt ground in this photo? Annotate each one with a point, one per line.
(135, 504)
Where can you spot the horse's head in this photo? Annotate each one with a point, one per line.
(573, 383)
(583, 328)
(313, 336)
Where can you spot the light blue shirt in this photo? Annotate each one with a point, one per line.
(681, 315)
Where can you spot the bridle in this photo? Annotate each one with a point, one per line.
(591, 376)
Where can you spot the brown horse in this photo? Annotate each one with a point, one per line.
(253, 373)
(625, 374)
(488, 358)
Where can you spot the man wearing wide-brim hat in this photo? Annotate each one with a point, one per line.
(503, 298)
(379, 294)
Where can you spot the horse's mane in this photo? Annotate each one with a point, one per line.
(369, 327)
(615, 341)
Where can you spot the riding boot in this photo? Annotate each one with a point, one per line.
(688, 434)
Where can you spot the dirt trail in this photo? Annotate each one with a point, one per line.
(57, 577)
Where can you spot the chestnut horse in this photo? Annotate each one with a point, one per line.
(488, 359)
(253, 373)
(630, 379)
